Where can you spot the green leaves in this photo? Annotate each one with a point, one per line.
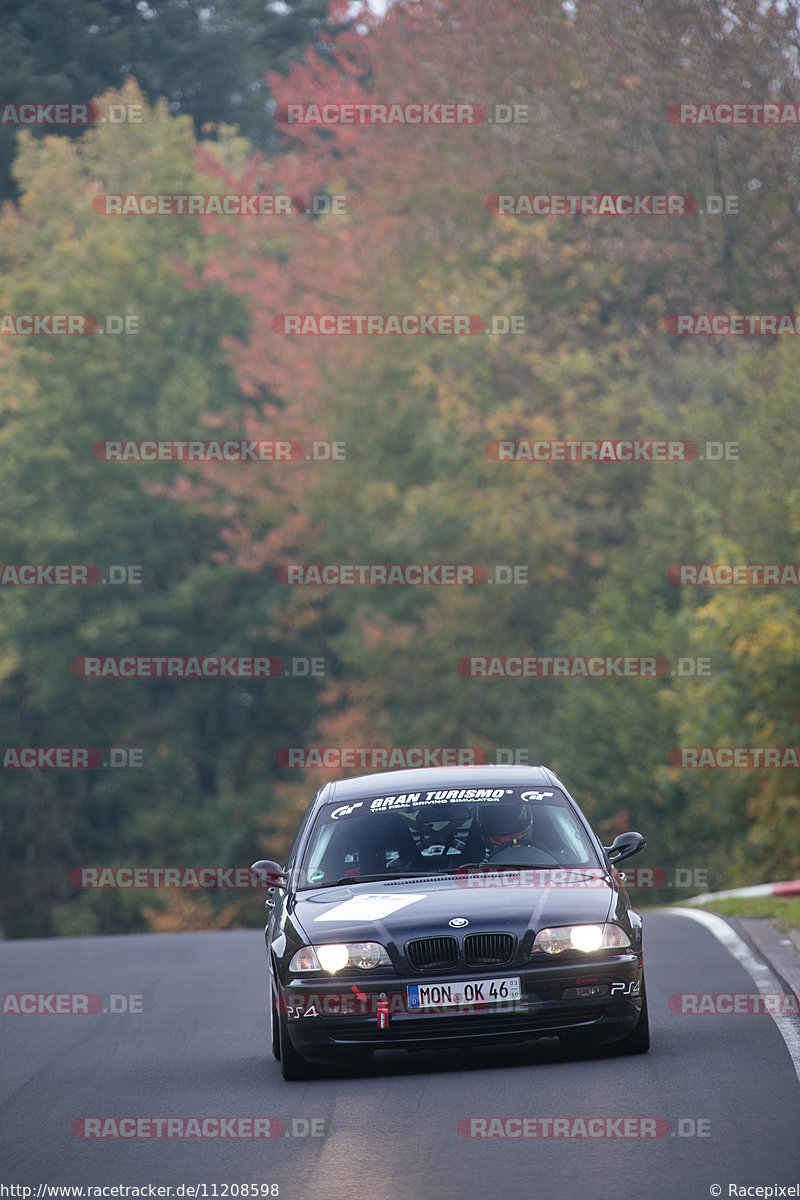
(200, 766)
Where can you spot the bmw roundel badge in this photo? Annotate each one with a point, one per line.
(458, 922)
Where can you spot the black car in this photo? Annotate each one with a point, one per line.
(450, 907)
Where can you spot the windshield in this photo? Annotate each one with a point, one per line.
(424, 833)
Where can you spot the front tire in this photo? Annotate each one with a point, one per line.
(274, 1030)
(635, 1042)
(638, 1040)
(293, 1065)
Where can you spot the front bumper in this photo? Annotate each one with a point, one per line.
(328, 1016)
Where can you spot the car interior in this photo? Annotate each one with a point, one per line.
(425, 840)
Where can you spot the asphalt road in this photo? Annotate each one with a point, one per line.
(199, 1048)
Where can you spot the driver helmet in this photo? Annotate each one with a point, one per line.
(505, 824)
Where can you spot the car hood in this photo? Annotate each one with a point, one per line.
(398, 910)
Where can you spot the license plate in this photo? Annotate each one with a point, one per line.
(462, 992)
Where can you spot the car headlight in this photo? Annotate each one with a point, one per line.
(582, 937)
(335, 956)
(304, 960)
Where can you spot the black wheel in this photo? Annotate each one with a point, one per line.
(293, 1065)
(274, 1031)
(638, 1040)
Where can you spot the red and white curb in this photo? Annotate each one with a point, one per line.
(789, 887)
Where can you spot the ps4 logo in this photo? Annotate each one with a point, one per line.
(626, 989)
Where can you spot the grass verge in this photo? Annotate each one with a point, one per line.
(784, 911)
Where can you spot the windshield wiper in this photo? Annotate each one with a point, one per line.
(365, 879)
(510, 866)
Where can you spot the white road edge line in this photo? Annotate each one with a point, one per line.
(764, 979)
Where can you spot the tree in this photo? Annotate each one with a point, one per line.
(206, 59)
(203, 788)
(595, 360)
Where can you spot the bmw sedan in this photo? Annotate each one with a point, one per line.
(450, 907)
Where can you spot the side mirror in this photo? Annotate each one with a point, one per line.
(269, 873)
(624, 846)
